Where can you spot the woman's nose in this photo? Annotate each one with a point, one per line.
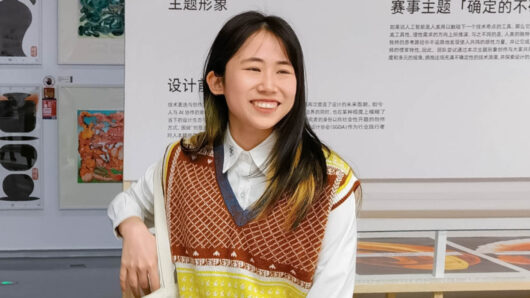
(267, 83)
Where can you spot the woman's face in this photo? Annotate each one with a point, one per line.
(259, 86)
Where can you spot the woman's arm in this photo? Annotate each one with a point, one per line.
(136, 201)
(131, 213)
(335, 272)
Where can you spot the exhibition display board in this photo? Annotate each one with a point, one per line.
(400, 89)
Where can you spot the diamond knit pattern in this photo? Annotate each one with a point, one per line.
(199, 223)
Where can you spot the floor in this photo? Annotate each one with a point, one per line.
(60, 277)
(84, 277)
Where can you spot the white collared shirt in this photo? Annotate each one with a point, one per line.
(335, 271)
(246, 169)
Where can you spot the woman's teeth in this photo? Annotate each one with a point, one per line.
(265, 104)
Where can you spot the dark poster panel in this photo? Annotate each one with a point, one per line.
(20, 29)
(20, 147)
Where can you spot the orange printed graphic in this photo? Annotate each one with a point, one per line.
(421, 262)
(509, 246)
(100, 135)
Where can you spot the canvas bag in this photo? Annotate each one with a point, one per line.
(168, 284)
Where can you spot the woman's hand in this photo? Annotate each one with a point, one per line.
(139, 261)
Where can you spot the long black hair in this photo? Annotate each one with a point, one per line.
(297, 164)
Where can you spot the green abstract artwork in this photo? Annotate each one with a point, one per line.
(102, 18)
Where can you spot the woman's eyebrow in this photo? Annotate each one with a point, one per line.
(284, 62)
(256, 59)
(252, 59)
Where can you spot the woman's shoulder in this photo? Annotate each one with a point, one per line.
(187, 146)
(196, 144)
(347, 182)
(335, 162)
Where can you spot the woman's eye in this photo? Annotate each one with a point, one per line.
(253, 69)
(283, 71)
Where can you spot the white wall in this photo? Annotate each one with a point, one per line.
(51, 228)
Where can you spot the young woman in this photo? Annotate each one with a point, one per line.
(256, 205)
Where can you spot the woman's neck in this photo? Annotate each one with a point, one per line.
(248, 139)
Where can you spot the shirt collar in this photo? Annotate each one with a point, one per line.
(259, 154)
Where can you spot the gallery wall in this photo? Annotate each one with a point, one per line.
(52, 227)
(390, 204)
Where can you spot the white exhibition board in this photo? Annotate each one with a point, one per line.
(400, 89)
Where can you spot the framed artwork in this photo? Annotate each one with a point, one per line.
(20, 147)
(511, 250)
(91, 32)
(415, 255)
(90, 146)
(20, 31)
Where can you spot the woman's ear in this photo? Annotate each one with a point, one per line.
(215, 83)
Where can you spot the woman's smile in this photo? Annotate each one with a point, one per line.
(267, 105)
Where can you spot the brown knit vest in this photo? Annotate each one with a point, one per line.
(203, 231)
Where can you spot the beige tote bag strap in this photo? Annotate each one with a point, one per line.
(165, 264)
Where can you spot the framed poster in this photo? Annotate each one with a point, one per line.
(20, 31)
(20, 150)
(90, 146)
(91, 32)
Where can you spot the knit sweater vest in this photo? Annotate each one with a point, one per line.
(216, 247)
